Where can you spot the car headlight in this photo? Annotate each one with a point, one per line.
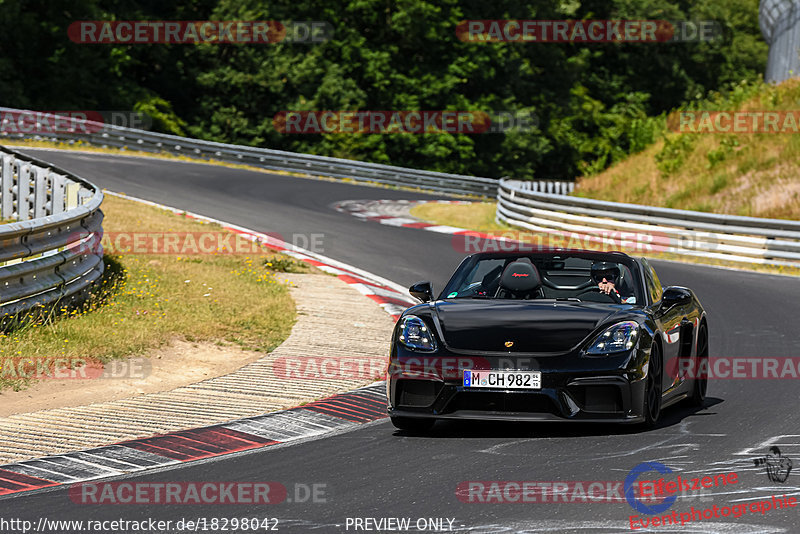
(620, 337)
(414, 334)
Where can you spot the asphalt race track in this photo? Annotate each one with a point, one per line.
(376, 472)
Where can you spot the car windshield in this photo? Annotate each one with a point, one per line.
(562, 277)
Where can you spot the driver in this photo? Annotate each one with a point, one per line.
(606, 275)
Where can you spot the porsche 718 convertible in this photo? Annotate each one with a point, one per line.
(547, 336)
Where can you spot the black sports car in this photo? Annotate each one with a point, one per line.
(547, 336)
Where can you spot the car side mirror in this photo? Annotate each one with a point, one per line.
(423, 291)
(675, 296)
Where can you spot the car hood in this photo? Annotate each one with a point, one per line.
(533, 327)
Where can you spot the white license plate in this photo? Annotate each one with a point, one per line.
(503, 379)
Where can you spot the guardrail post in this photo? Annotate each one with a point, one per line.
(72, 195)
(24, 192)
(7, 186)
(58, 184)
(40, 193)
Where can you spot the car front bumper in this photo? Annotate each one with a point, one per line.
(573, 388)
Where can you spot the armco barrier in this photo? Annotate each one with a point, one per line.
(541, 206)
(740, 239)
(50, 243)
(40, 125)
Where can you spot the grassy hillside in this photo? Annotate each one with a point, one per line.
(742, 174)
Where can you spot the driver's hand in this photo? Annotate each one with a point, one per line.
(606, 287)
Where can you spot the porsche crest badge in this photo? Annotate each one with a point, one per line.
(509, 344)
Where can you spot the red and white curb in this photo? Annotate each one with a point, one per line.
(340, 412)
(343, 411)
(392, 297)
(396, 213)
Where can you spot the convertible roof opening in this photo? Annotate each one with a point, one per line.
(586, 276)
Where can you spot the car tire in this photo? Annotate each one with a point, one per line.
(651, 407)
(413, 424)
(700, 386)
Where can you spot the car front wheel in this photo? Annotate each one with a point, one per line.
(701, 380)
(652, 393)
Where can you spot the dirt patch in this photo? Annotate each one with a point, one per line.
(178, 364)
(773, 192)
(782, 195)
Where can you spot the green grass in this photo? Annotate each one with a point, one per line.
(478, 216)
(146, 301)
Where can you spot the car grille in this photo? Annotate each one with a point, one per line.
(600, 399)
(417, 393)
(501, 402)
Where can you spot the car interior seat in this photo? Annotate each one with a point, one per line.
(520, 280)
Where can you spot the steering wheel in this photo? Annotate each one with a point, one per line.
(613, 295)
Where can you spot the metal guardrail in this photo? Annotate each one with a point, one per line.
(546, 186)
(105, 135)
(649, 229)
(541, 206)
(50, 251)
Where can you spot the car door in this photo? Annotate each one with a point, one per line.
(670, 322)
